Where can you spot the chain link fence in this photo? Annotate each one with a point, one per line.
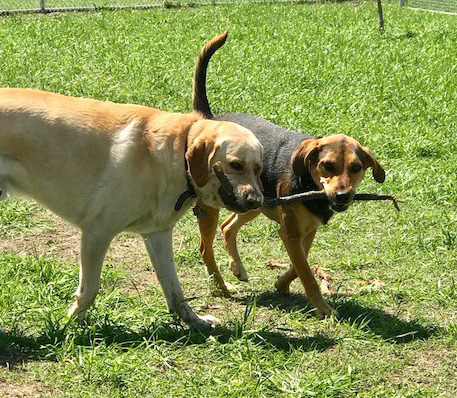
(437, 5)
(10, 6)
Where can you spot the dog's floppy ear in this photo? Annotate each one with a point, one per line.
(198, 158)
(370, 161)
(304, 156)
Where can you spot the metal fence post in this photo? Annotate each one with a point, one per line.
(42, 7)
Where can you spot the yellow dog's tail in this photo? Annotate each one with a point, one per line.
(199, 98)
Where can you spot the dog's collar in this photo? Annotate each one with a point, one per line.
(200, 213)
(306, 187)
(190, 191)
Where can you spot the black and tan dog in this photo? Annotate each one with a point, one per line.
(293, 163)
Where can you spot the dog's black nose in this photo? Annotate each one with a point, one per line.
(342, 197)
(253, 201)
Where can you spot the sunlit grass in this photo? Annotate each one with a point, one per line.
(317, 69)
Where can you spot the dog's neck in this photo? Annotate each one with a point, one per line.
(190, 191)
(305, 183)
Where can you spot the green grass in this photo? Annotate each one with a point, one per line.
(319, 69)
(17, 216)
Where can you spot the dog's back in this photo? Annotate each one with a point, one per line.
(278, 143)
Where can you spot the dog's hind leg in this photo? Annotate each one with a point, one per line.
(230, 228)
(93, 249)
(208, 228)
(160, 250)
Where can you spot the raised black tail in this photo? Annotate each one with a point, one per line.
(199, 98)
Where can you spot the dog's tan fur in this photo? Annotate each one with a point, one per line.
(110, 167)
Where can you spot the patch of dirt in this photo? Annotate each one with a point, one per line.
(426, 367)
(61, 240)
(23, 390)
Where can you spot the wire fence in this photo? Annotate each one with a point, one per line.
(437, 5)
(14, 6)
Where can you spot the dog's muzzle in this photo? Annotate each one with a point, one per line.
(340, 201)
(231, 198)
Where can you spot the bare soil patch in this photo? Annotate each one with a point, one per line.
(23, 390)
(59, 239)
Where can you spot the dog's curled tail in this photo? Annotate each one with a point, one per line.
(199, 98)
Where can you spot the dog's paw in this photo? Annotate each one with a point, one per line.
(239, 271)
(325, 311)
(218, 291)
(219, 288)
(212, 320)
(281, 287)
(75, 312)
(204, 323)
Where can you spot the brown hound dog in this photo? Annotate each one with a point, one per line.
(293, 163)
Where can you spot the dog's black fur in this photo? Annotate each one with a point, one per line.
(279, 144)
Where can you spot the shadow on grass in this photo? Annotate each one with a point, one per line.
(371, 320)
(406, 35)
(17, 348)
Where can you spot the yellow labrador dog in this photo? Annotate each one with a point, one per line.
(108, 167)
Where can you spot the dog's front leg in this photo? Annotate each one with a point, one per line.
(284, 281)
(296, 226)
(160, 250)
(93, 249)
(300, 263)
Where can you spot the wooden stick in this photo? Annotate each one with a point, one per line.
(299, 197)
(321, 195)
(373, 196)
(226, 185)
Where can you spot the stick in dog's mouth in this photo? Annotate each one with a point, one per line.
(225, 183)
(305, 196)
(321, 195)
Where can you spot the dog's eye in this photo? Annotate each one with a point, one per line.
(236, 165)
(356, 168)
(328, 166)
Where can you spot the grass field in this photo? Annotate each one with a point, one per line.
(321, 69)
